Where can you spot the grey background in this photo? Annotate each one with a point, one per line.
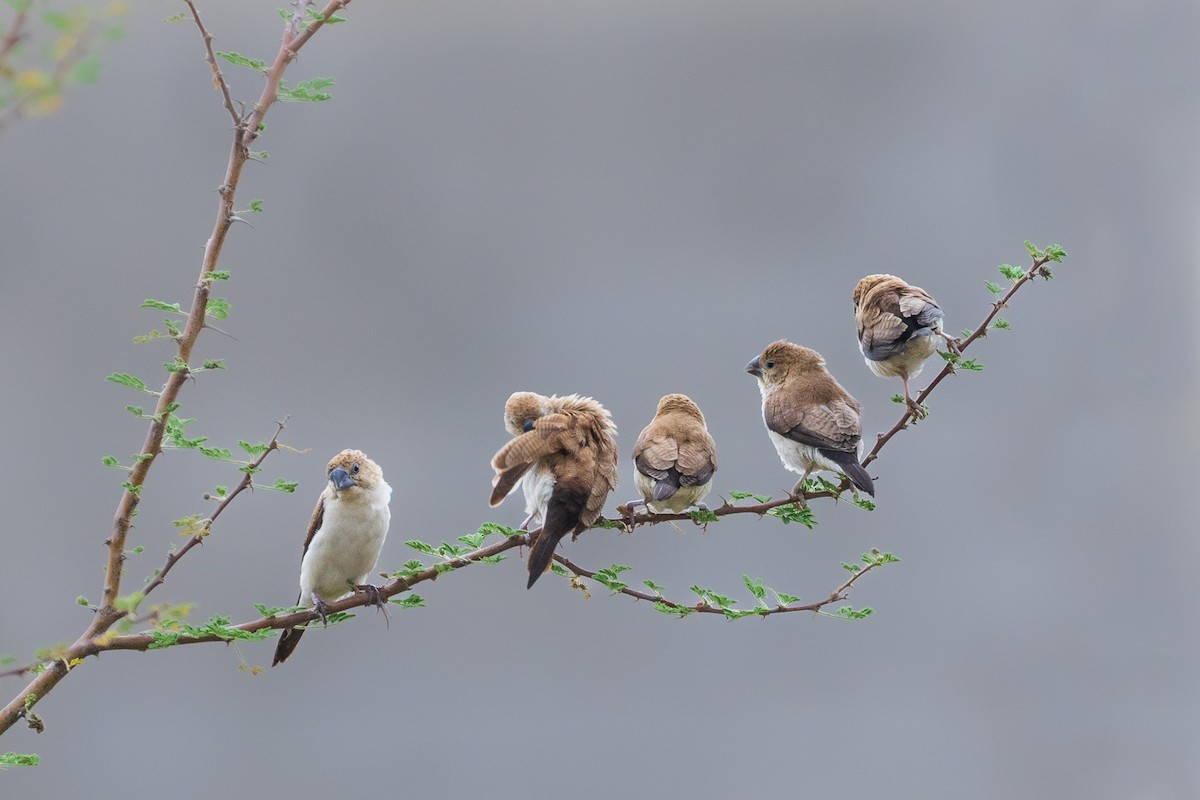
(624, 199)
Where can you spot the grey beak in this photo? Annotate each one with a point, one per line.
(340, 479)
(755, 368)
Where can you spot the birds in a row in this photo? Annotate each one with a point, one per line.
(563, 453)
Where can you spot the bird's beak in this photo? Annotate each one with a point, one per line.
(340, 479)
(755, 368)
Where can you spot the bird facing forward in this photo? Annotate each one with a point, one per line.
(570, 451)
(345, 535)
(675, 457)
(812, 421)
(898, 328)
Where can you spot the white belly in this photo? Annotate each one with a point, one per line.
(908, 363)
(686, 497)
(344, 551)
(800, 458)
(537, 484)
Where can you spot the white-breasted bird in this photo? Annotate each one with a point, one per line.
(345, 535)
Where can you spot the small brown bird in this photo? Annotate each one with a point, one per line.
(898, 326)
(675, 457)
(569, 448)
(345, 534)
(812, 421)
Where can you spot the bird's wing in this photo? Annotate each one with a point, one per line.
(833, 425)
(697, 460)
(517, 456)
(314, 522)
(891, 318)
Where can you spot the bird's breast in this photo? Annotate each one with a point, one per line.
(345, 549)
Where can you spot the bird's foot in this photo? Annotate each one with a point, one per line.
(917, 410)
(376, 599)
(798, 493)
(701, 507)
(952, 344)
(628, 511)
(322, 609)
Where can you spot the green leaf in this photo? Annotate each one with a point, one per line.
(652, 586)
(160, 305)
(216, 363)
(675, 611)
(703, 515)
(110, 461)
(863, 503)
(409, 601)
(243, 61)
(1014, 274)
(274, 611)
(217, 308)
(473, 540)
(254, 450)
(1055, 253)
(11, 759)
(970, 364)
(281, 485)
(86, 71)
(756, 587)
(421, 547)
(495, 529)
(306, 91)
(1001, 323)
(794, 512)
(848, 612)
(994, 288)
(59, 21)
(217, 275)
(490, 559)
(130, 381)
(787, 599)
(216, 453)
(559, 569)
(221, 490)
(180, 17)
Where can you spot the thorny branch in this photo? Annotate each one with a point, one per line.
(108, 614)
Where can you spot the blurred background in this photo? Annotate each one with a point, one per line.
(625, 199)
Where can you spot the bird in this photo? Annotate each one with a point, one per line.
(675, 457)
(812, 421)
(898, 328)
(345, 534)
(569, 448)
(520, 411)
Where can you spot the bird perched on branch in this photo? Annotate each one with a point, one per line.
(345, 535)
(569, 451)
(675, 457)
(812, 421)
(898, 328)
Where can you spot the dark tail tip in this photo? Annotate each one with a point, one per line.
(287, 643)
(541, 553)
(859, 477)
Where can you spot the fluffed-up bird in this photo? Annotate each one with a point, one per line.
(675, 457)
(570, 450)
(345, 535)
(898, 328)
(812, 421)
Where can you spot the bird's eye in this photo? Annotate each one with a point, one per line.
(528, 426)
(770, 365)
(354, 469)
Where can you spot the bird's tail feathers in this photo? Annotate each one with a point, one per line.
(287, 643)
(854, 470)
(562, 516)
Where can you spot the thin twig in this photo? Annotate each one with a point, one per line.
(211, 58)
(13, 37)
(246, 481)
